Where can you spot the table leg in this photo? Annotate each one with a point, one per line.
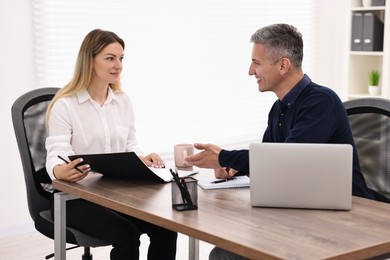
(193, 248)
(60, 199)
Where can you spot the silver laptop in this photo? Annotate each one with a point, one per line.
(291, 175)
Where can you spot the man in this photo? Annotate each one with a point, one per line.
(304, 112)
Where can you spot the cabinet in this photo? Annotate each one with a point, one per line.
(360, 62)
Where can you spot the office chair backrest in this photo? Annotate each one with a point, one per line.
(28, 116)
(369, 119)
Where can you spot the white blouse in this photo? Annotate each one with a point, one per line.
(79, 125)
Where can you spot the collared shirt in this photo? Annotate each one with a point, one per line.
(79, 125)
(309, 113)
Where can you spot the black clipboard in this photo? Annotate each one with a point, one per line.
(125, 165)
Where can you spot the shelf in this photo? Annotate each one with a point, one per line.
(353, 96)
(371, 8)
(367, 53)
(361, 62)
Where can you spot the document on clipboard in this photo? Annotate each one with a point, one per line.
(128, 165)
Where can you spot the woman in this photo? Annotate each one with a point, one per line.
(92, 115)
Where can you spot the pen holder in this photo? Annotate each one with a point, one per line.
(185, 194)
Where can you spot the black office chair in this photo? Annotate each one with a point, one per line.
(28, 116)
(369, 119)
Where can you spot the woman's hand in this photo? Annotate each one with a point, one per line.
(67, 171)
(153, 160)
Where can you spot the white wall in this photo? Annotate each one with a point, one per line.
(16, 72)
(332, 33)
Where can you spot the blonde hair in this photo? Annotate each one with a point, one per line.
(93, 43)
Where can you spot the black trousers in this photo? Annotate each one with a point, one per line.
(122, 231)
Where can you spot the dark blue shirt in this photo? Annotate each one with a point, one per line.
(309, 113)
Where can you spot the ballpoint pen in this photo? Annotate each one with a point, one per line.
(80, 171)
(224, 180)
(186, 192)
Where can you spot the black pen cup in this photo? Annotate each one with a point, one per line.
(185, 194)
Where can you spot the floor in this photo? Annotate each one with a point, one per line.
(31, 246)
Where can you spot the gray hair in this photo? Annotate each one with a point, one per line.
(281, 40)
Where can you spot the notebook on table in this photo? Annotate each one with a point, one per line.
(128, 165)
(213, 183)
(292, 175)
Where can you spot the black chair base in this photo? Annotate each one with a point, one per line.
(86, 256)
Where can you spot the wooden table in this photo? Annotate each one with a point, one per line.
(226, 219)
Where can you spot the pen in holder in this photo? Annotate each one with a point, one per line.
(184, 193)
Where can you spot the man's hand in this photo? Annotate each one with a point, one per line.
(224, 172)
(207, 158)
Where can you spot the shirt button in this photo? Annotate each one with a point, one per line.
(280, 124)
